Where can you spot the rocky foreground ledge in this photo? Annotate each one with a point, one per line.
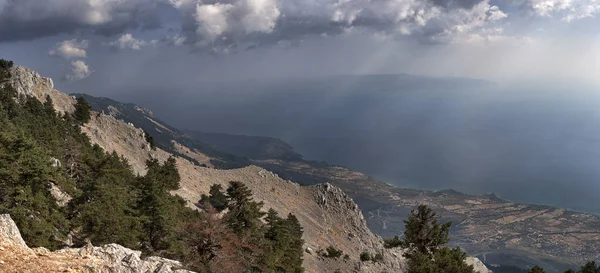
(16, 256)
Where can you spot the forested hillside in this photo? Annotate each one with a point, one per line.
(63, 191)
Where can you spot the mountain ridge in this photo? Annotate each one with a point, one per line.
(386, 206)
(325, 224)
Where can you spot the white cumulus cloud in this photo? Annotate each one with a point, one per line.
(231, 23)
(79, 70)
(212, 20)
(127, 41)
(259, 15)
(70, 49)
(233, 19)
(566, 10)
(547, 7)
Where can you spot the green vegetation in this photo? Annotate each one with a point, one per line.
(377, 257)
(217, 199)
(331, 252)
(392, 243)
(82, 110)
(149, 139)
(365, 256)
(110, 204)
(284, 243)
(425, 240)
(276, 244)
(5, 67)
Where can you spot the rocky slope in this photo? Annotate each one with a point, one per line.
(496, 230)
(16, 257)
(29, 83)
(328, 215)
(164, 135)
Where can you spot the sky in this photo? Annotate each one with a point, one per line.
(198, 63)
(106, 45)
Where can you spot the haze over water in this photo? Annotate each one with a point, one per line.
(534, 145)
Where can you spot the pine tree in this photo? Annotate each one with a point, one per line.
(5, 67)
(425, 240)
(105, 212)
(82, 110)
(277, 236)
(244, 213)
(150, 140)
(292, 258)
(217, 198)
(24, 190)
(423, 233)
(156, 219)
(167, 175)
(451, 260)
(158, 208)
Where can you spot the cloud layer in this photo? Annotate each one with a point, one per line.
(227, 24)
(567, 10)
(284, 26)
(28, 19)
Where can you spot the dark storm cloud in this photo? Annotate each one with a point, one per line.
(230, 24)
(30, 19)
(223, 25)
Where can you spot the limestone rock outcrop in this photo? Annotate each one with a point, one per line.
(15, 257)
(29, 83)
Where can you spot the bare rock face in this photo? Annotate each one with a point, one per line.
(62, 198)
(478, 265)
(15, 256)
(115, 135)
(145, 111)
(9, 233)
(29, 83)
